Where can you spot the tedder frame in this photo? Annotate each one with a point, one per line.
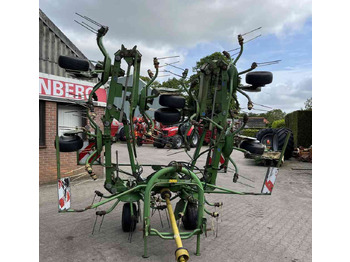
(212, 100)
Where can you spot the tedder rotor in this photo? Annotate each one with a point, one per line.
(212, 101)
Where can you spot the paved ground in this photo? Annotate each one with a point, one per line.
(253, 228)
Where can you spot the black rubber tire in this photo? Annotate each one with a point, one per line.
(195, 139)
(139, 141)
(129, 223)
(189, 220)
(254, 147)
(121, 134)
(258, 78)
(158, 142)
(73, 63)
(167, 116)
(176, 142)
(172, 101)
(281, 133)
(70, 143)
(268, 133)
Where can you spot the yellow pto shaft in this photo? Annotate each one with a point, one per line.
(181, 253)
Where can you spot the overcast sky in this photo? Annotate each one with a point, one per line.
(194, 29)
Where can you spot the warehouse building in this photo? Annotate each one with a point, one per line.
(58, 94)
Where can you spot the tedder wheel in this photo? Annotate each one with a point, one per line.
(158, 142)
(281, 134)
(122, 134)
(172, 101)
(253, 146)
(176, 142)
(139, 141)
(258, 78)
(167, 116)
(190, 218)
(70, 143)
(128, 221)
(73, 63)
(195, 139)
(268, 138)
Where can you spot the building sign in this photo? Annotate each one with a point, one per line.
(61, 87)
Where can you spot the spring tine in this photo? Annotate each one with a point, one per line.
(172, 73)
(166, 57)
(89, 19)
(217, 227)
(252, 39)
(89, 26)
(235, 54)
(93, 229)
(245, 184)
(233, 49)
(163, 75)
(243, 43)
(101, 223)
(251, 31)
(262, 105)
(85, 27)
(176, 67)
(169, 64)
(175, 153)
(213, 225)
(93, 201)
(269, 62)
(99, 201)
(221, 212)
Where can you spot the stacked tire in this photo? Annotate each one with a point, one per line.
(169, 114)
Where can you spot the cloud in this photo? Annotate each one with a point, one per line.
(166, 28)
(181, 23)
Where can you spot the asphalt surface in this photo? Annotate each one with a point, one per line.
(250, 228)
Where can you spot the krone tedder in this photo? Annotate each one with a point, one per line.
(211, 102)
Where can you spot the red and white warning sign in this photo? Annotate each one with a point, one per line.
(64, 195)
(270, 180)
(85, 152)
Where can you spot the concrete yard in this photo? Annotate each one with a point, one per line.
(274, 228)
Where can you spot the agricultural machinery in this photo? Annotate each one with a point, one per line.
(174, 135)
(213, 99)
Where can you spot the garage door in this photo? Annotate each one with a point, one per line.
(69, 117)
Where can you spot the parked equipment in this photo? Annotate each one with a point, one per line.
(183, 182)
(175, 135)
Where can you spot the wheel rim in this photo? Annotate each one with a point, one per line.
(178, 143)
(195, 139)
(272, 141)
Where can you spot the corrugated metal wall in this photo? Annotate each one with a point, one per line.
(52, 44)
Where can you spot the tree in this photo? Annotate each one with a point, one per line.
(308, 104)
(274, 115)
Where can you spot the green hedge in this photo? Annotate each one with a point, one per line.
(300, 122)
(249, 132)
(278, 123)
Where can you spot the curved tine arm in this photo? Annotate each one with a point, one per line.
(156, 66)
(253, 66)
(240, 41)
(250, 103)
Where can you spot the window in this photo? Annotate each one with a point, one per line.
(41, 123)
